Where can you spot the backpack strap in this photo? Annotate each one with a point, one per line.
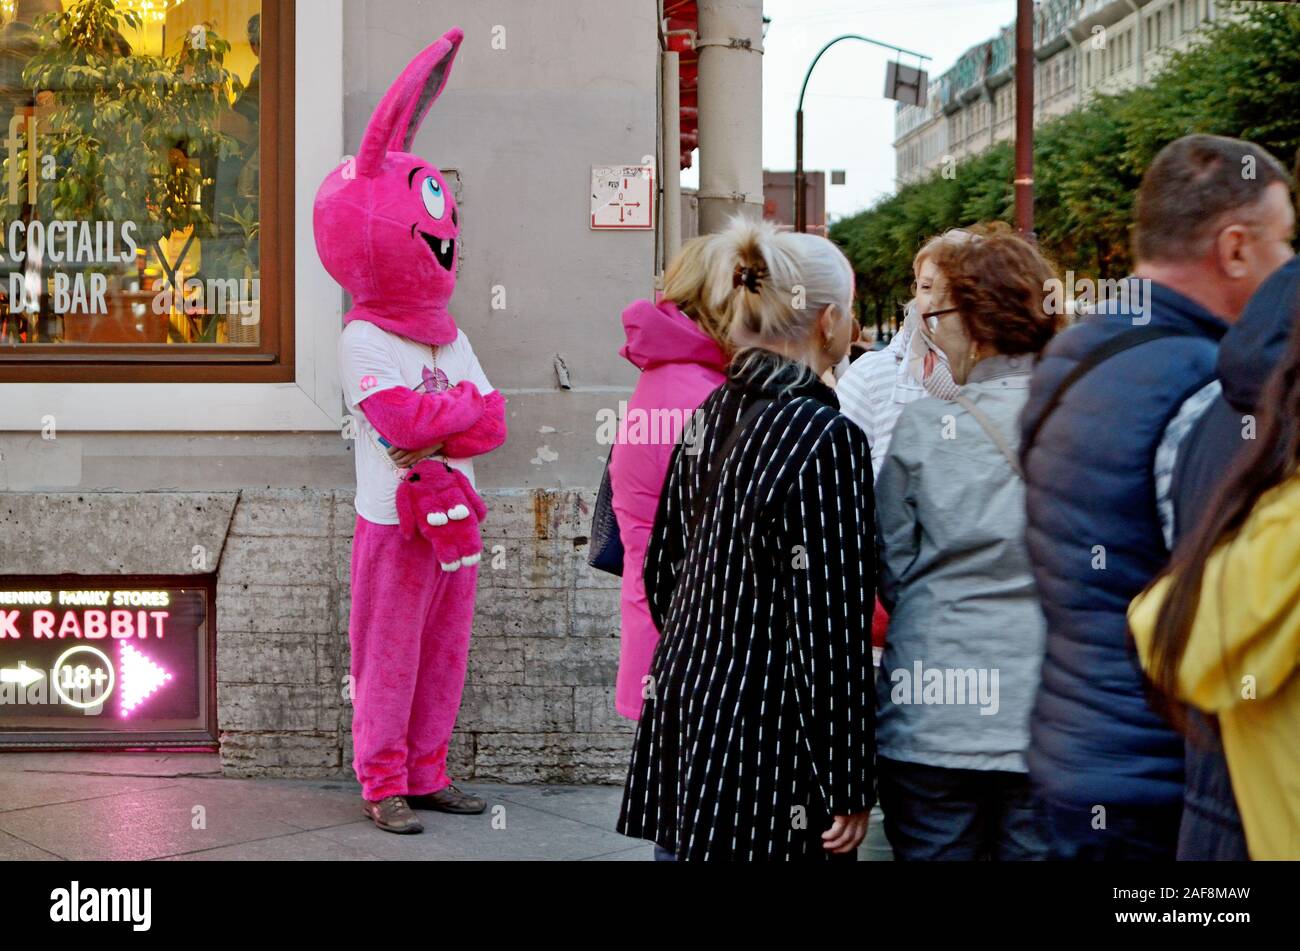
(1110, 348)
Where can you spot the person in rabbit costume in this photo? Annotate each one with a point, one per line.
(386, 229)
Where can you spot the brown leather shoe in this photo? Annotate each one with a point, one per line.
(450, 800)
(393, 815)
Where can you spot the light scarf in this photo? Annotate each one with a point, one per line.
(921, 364)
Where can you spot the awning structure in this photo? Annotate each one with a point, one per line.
(682, 25)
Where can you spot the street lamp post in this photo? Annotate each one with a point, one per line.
(800, 211)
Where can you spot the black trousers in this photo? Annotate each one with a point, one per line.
(935, 814)
(1111, 833)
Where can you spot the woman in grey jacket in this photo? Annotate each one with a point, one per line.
(965, 639)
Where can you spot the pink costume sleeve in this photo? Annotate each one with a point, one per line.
(488, 433)
(412, 421)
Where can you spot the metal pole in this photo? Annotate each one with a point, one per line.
(1025, 118)
(671, 171)
(731, 111)
(800, 214)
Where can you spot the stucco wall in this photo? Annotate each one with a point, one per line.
(574, 87)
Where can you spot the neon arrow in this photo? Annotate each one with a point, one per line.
(141, 678)
(24, 676)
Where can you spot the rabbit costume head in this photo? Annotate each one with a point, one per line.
(386, 223)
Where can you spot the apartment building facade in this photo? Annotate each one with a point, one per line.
(1082, 48)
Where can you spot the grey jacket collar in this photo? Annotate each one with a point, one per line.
(1002, 367)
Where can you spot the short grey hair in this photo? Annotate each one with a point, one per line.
(1195, 187)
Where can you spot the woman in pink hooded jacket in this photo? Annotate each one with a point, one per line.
(681, 347)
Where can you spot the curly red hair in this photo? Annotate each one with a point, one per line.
(1000, 284)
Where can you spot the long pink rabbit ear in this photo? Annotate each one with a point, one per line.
(394, 125)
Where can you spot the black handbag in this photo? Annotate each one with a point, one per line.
(605, 552)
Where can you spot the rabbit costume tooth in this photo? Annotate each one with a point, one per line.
(388, 230)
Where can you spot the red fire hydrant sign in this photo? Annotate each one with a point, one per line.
(622, 197)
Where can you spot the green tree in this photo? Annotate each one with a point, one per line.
(1241, 79)
(128, 129)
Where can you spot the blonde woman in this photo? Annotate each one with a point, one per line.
(755, 742)
(680, 346)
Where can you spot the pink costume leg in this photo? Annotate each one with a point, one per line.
(444, 653)
(393, 584)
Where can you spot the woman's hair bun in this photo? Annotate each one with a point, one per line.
(774, 283)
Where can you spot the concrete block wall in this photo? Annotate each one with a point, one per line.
(282, 633)
(538, 703)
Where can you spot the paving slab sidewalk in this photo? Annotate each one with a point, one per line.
(178, 807)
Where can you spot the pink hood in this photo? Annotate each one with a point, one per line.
(660, 333)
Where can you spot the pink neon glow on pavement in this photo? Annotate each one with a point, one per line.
(140, 676)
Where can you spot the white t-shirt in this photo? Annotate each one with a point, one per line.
(373, 360)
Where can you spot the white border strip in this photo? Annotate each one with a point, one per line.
(314, 400)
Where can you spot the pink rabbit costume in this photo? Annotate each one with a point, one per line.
(386, 229)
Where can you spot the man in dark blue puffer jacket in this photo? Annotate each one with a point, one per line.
(1213, 220)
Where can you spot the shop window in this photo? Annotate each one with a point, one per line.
(147, 176)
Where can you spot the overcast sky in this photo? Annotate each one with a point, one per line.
(848, 124)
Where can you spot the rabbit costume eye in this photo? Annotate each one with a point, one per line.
(435, 201)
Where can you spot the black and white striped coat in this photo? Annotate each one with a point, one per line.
(759, 724)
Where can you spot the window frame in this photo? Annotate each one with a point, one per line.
(272, 360)
(311, 401)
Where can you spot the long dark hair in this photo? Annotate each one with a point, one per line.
(1268, 462)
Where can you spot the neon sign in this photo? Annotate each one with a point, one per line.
(141, 677)
(83, 661)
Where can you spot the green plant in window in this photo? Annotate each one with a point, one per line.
(133, 136)
(240, 261)
(248, 227)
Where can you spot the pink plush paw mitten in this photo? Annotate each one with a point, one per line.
(439, 502)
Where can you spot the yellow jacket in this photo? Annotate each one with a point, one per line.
(1242, 664)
